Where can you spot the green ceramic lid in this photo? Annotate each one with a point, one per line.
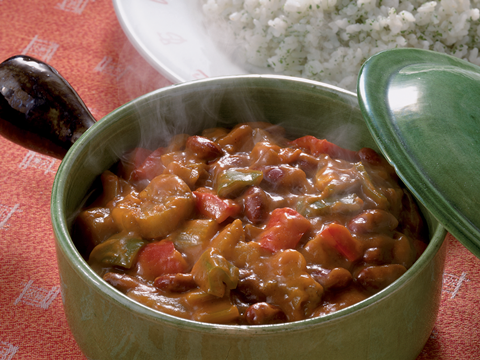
(423, 110)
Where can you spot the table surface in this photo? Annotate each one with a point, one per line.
(83, 40)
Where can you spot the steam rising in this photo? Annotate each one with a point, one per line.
(301, 106)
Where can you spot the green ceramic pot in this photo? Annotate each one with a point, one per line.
(393, 324)
(40, 110)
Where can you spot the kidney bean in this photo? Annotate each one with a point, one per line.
(123, 282)
(337, 300)
(394, 196)
(274, 174)
(374, 256)
(411, 219)
(404, 253)
(332, 279)
(375, 220)
(263, 313)
(204, 148)
(249, 286)
(376, 278)
(255, 203)
(308, 163)
(287, 177)
(175, 282)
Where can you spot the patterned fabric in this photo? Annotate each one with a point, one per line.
(83, 40)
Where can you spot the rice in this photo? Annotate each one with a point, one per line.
(328, 40)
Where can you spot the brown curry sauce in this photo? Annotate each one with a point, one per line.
(243, 226)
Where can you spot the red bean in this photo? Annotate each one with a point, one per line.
(255, 205)
(373, 221)
(411, 219)
(308, 163)
(273, 174)
(374, 256)
(175, 282)
(263, 313)
(249, 285)
(287, 177)
(122, 282)
(376, 278)
(204, 148)
(404, 252)
(333, 279)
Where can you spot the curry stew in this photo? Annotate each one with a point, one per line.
(244, 226)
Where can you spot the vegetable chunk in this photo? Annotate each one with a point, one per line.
(160, 258)
(212, 206)
(284, 230)
(232, 181)
(317, 147)
(214, 274)
(247, 227)
(341, 239)
(158, 210)
(117, 251)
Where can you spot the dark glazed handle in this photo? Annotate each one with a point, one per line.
(39, 109)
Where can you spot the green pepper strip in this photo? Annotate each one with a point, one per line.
(312, 206)
(194, 233)
(368, 187)
(117, 252)
(231, 181)
(214, 274)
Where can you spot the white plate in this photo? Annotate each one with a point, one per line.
(170, 35)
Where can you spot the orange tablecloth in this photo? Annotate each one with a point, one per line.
(83, 40)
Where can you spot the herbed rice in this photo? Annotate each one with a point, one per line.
(328, 40)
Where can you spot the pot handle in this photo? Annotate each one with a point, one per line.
(39, 109)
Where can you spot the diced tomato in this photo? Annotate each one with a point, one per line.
(315, 147)
(284, 230)
(160, 258)
(214, 207)
(133, 160)
(342, 240)
(150, 168)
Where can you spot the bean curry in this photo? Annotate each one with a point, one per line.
(243, 226)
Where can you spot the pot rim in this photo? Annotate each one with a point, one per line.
(65, 244)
